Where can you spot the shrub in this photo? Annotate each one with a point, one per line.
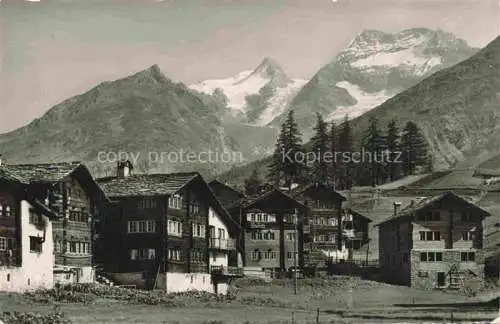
(29, 318)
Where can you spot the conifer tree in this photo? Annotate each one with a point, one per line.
(333, 151)
(374, 144)
(394, 149)
(288, 158)
(346, 148)
(253, 183)
(414, 148)
(320, 148)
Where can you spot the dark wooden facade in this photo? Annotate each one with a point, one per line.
(69, 190)
(271, 231)
(330, 226)
(10, 252)
(177, 205)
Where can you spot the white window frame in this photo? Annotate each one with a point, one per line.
(175, 201)
(141, 227)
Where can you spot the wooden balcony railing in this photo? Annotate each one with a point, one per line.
(222, 244)
(227, 271)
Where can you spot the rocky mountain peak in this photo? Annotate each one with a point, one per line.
(270, 69)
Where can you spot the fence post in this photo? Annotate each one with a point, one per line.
(452, 319)
(293, 317)
(317, 316)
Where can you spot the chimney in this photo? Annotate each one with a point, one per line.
(124, 169)
(397, 206)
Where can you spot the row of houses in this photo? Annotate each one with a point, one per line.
(177, 232)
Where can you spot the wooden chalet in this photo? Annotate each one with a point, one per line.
(158, 229)
(274, 230)
(69, 190)
(332, 231)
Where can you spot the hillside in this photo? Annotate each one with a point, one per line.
(145, 112)
(373, 68)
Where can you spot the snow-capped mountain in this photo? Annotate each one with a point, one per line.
(374, 67)
(255, 96)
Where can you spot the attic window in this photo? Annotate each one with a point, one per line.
(175, 201)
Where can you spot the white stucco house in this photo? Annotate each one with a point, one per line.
(26, 241)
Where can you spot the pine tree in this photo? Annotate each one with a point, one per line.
(275, 168)
(320, 148)
(253, 183)
(288, 158)
(374, 144)
(333, 150)
(414, 148)
(393, 147)
(346, 148)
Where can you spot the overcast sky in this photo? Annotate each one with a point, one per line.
(53, 49)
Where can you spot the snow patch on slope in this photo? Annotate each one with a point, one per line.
(365, 102)
(393, 59)
(279, 101)
(235, 88)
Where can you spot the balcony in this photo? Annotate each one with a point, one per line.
(222, 244)
(226, 271)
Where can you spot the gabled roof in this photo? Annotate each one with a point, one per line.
(359, 214)
(225, 185)
(301, 189)
(39, 173)
(48, 173)
(410, 209)
(164, 184)
(273, 194)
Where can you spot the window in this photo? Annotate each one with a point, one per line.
(222, 233)
(195, 208)
(6, 211)
(142, 254)
(257, 235)
(269, 254)
(6, 243)
(430, 235)
(466, 217)
(175, 201)
(256, 255)
(77, 215)
(57, 246)
(468, 256)
(468, 236)
(34, 218)
(141, 226)
(198, 230)
(35, 244)
(174, 228)
(289, 255)
(147, 203)
(429, 216)
(174, 254)
(251, 217)
(291, 236)
(405, 258)
(431, 256)
(269, 236)
(196, 256)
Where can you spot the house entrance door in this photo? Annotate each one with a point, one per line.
(441, 279)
